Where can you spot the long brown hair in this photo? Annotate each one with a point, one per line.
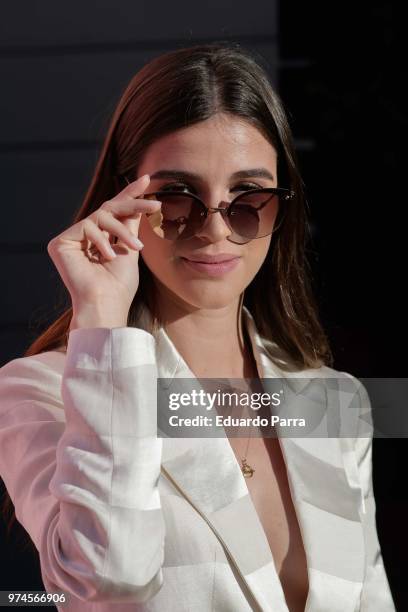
(178, 89)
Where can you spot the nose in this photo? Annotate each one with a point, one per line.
(215, 227)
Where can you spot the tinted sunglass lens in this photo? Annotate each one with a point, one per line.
(244, 220)
(179, 217)
(253, 214)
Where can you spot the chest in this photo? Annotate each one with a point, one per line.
(271, 496)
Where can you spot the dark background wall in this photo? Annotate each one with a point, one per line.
(345, 87)
(340, 74)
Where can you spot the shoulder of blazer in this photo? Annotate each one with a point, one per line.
(31, 381)
(29, 366)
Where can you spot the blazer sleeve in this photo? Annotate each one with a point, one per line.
(376, 594)
(83, 472)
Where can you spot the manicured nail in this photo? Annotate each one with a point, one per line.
(138, 243)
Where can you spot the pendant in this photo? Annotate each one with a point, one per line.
(246, 469)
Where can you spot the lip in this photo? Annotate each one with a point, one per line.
(213, 265)
(207, 258)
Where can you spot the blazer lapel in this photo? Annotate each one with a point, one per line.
(326, 499)
(207, 474)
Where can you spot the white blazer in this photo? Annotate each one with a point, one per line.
(124, 520)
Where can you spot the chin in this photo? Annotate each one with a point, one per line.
(199, 293)
(212, 298)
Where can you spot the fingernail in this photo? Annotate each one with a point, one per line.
(138, 243)
(111, 251)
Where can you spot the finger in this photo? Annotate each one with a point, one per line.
(93, 234)
(128, 206)
(106, 221)
(137, 187)
(129, 211)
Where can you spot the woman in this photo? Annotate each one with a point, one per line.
(123, 518)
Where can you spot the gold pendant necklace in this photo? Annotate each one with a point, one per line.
(246, 469)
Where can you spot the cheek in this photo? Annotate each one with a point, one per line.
(157, 253)
(146, 234)
(155, 248)
(159, 256)
(257, 252)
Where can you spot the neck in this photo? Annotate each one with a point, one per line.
(210, 340)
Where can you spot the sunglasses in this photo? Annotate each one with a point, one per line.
(250, 215)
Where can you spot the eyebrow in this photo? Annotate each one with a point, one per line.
(240, 174)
